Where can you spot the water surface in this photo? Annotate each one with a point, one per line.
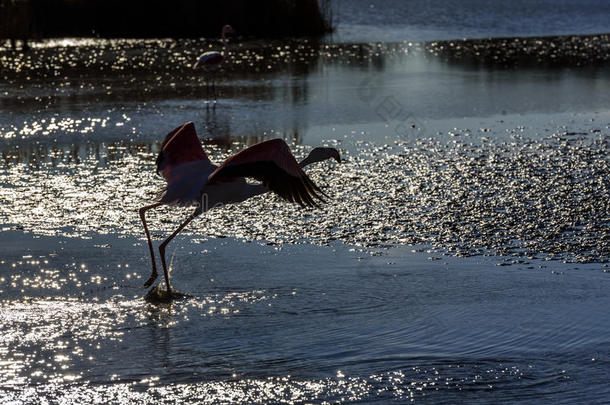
(432, 20)
(463, 256)
(296, 324)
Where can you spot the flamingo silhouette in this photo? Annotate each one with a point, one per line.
(211, 61)
(192, 179)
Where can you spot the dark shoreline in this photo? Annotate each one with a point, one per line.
(570, 50)
(546, 51)
(542, 51)
(30, 20)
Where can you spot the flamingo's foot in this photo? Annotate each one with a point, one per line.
(151, 280)
(158, 295)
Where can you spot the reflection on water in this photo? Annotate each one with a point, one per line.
(296, 324)
(126, 89)
(528, 198)
(81, 127)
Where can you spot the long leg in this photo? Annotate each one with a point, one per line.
(214, 88)
(150, 246)
(166, 241)
(207, 88)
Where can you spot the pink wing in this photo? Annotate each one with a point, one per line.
(272, 163)
(180, 146)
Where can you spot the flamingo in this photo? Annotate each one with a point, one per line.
(192, 179)
(211, 61)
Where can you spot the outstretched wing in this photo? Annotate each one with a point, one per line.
(180, 146)
(272, 163)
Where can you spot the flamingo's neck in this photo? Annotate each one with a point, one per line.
(224, 43)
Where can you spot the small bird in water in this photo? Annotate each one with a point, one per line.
(211, 61)
(193, 180)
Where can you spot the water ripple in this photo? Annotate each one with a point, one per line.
(527, 198)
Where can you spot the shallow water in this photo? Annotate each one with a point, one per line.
(411, 127)
(295, 324)
(463, 257)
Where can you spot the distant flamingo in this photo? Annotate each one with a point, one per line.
(192, 179)
(211, 61)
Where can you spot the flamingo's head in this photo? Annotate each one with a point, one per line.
(334, 153)
(227, 29)
(319, 154)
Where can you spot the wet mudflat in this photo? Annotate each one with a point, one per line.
(463, 256)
